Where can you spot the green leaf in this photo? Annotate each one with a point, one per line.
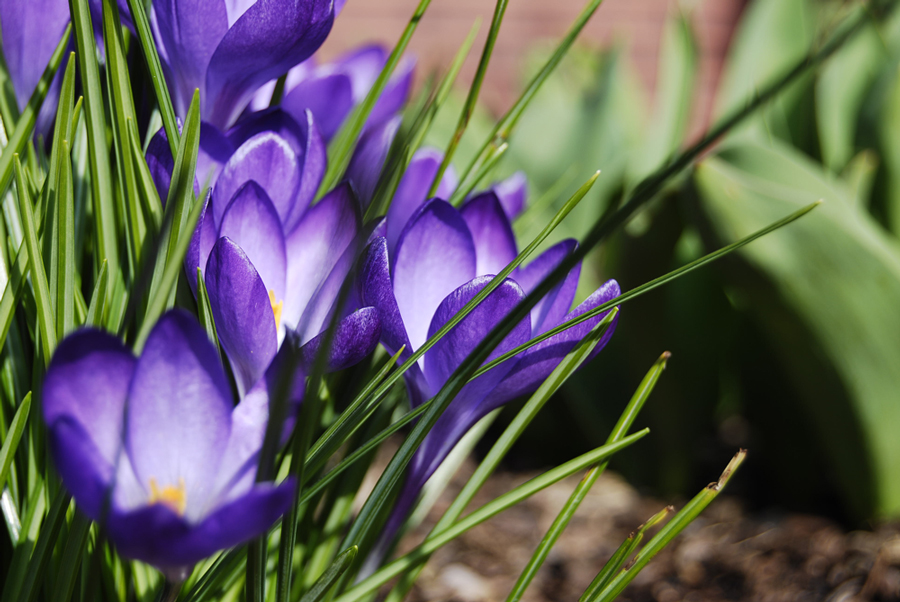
(73, 554)
(831, 283)
(97, 308)
(65, 292)
(318, 591)
(13, 436)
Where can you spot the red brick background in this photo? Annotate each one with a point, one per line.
(447, 22)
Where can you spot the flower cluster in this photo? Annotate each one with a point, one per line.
(155, 447)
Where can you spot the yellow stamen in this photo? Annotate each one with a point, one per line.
(173, 497)
(276, 308)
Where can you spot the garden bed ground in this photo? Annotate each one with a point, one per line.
(727, 554)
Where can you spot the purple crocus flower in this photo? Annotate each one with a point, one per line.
(332, 89)
(154, 448)
(271, 262)
(430, 262)
(228, 49)
(31, 30)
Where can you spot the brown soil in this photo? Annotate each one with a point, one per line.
(726, 554)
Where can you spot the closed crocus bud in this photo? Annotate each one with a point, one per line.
(228, 49)
(154, 448)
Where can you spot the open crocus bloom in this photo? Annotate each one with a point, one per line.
(270, 261)
(420, 277)
(332, 89)
(229, 48)
(154, 447)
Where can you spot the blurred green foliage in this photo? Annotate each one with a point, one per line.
(792, 347)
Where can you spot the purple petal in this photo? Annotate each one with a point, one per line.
(435, 255)
(445, 357)
(412, 192)
(536, 364)
(215, 150)
(394, 95)
(329, 97)
(266, 41)
(268, 160)
(179, 410)
(512, 193)
(242, 312)
(355, 337)
(495, 243)
(156, 535)
(31, 30)
(190, 31)
(201, 244)
(368, 159)
(161, 164)
(84, 402)
(315, 247)
(550, 310)
(251, 222)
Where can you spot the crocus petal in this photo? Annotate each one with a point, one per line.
(316, 245)
(412, 192)
(512, 193)
(355, 337)
(448, 353)
(368, 159)
(267, 40)
(242, 311)
(31, 30)
(435, 255)
(156, 535)
(201, 244)
(329, 97)
(179, 412)
(190, 31)
(495, 243)
(553, 307)
(268, 160)
(535, 365)
(251, 222)
(395, 93)
(84, 402)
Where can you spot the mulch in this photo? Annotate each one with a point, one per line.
(726, 554)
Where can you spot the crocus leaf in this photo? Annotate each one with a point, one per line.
(331, 575)
(13, 436)
(831, 283)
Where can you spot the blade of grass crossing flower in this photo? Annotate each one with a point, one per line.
(342, 147)
(97, 308)
(584, 486)
(472, 97)
(65, 292)
(25, 124)
(40, 558)
(318, 591)
(681, 520)
(154, 66)
(571, 362)
(462, 192)
(485, 512)
(204, 311)
(120, 95)
(42, 301)
(623, 553)
(13, 436)
(506, 123)
(648, 286)
(106, 234)
(72, 555)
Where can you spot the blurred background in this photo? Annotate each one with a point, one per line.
(790, 348)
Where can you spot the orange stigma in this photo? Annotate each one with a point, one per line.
(276, 309)
(175, 498)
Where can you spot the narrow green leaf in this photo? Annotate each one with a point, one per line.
(681, 520)
(623, 553)
(46, 323)
(154, 66)
(97, 308)
(12, 293)
(9, 106)
(342, 146)
(318, 591)
(73, 553)
(106, 233)
(149, 196)
(13, 436)
(65, 292)
(25, 124)
(25, 544)
(205, 310)
(568, 511)
(489, 510)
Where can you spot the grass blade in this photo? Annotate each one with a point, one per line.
(65, 292)
(71, 558)
(97, 308)
(13, 436)
(318, 591)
